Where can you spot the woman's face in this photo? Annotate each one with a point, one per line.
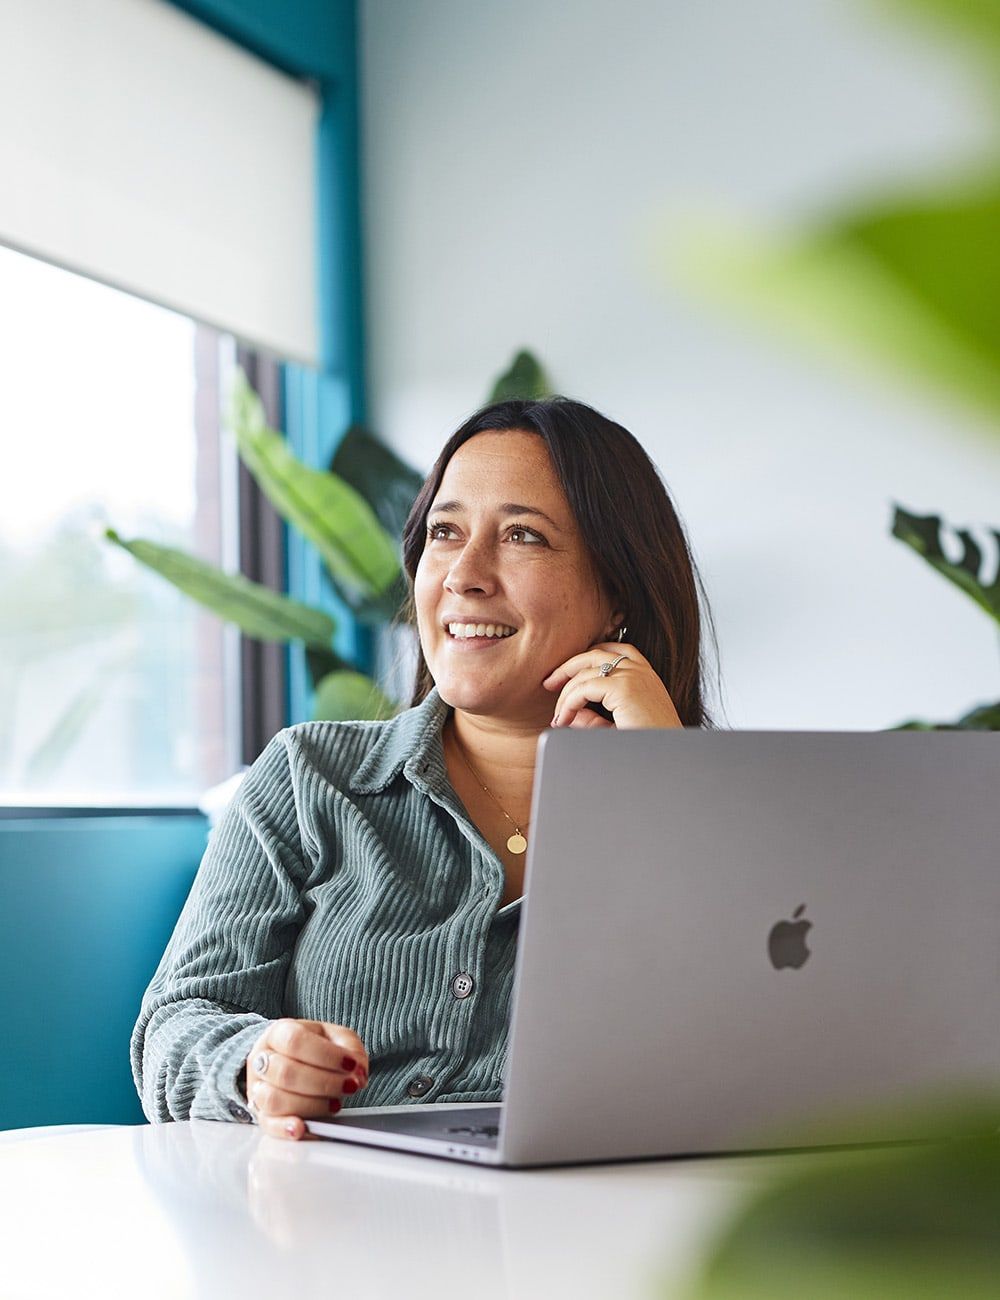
(504, 549)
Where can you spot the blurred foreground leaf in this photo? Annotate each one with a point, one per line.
(977, 22)
(912, 283)
(913, 1222)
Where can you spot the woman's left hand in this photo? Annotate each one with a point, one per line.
(631, 692)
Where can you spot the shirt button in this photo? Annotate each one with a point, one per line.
(418, 1086)
(462, 985)
(239, 1113)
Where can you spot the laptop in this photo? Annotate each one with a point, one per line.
(731, 941)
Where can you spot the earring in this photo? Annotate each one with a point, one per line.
(621, 632)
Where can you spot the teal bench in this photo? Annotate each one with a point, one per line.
(87, 904)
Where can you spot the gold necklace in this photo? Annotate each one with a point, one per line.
(516, 843)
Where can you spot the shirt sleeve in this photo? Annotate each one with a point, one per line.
(222, 976)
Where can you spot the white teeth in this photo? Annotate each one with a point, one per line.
(468, 630)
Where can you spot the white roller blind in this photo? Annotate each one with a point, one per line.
(138, 147)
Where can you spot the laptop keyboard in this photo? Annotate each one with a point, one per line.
(480, 1130)
(433, 1122)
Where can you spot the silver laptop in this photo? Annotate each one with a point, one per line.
(732, 941)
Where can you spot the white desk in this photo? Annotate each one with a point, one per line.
(219, 1210)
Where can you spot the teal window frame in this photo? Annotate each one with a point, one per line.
(316, 40)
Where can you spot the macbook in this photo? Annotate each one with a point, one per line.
(731, 941)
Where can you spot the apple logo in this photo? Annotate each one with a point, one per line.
(786, 944)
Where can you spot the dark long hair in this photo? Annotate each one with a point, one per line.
(636, 541)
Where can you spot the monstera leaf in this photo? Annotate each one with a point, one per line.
(923, 534)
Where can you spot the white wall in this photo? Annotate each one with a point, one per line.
(523, 161)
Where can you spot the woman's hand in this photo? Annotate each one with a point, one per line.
(311, 1064)
(631, 692)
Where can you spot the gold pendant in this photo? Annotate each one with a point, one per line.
(517, 843)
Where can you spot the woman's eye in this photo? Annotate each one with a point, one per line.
(528, 535)
(434, 531)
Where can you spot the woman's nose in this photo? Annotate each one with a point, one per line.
(471, 570)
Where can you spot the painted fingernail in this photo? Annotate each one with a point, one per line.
(348, 1063)
(290, 1128)
(334, 1105)
(350, 1085)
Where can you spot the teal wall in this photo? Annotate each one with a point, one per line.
(88, 906)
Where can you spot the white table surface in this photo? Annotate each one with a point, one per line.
(201, 1209)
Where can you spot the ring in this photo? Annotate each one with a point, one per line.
(261, 1061)
(606, 668)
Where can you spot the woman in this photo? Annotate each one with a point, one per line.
(350, 936)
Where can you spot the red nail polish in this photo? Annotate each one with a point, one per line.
(350, 1085)
(334, 1105)
(348, 1063)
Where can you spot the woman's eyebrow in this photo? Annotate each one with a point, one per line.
(507, 508)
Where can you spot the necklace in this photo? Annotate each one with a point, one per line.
(516, 843)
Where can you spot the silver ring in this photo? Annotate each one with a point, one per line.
(261, 1061)
(606, 668)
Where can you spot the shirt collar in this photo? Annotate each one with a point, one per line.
(409, 742)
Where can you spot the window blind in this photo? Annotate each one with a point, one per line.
(144, 150)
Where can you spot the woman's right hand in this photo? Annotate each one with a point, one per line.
(311, 1065)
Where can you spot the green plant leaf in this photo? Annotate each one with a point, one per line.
(374, 470)
(360, 555)
(256, 610)
(984, 717)
(918, 1221)
(321, 660)
(347, 696)
(524, 378)
(909, 284)
(974, 21)
(383, 608)
(923, 534)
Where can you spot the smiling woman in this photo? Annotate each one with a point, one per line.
(351, 934)
(580, 521)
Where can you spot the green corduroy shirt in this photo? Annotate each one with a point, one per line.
(345, 882)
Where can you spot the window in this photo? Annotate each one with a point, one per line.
(115, 689)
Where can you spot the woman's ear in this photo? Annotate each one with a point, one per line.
(617, 619)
